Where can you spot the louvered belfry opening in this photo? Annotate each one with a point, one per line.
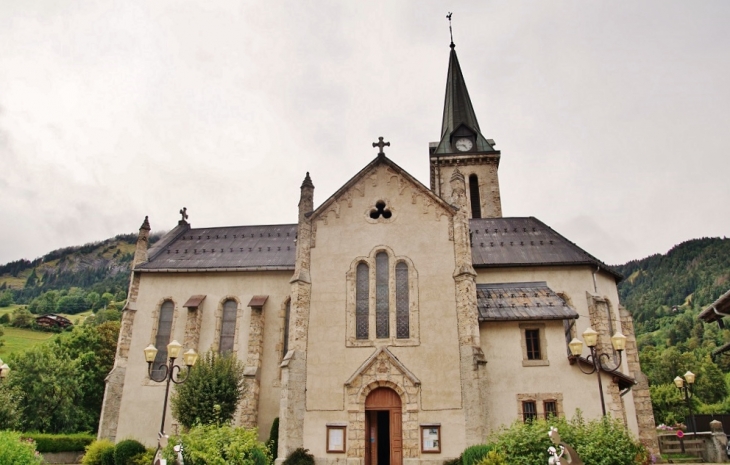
(476, 208)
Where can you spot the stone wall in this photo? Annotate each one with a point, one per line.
(642, 400)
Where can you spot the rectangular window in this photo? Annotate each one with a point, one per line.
(529, 410)
(532, 339)
(228, 326)
(551, 408)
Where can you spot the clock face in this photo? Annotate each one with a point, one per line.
(463, 144)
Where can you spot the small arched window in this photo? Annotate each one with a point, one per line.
(228, 326)
(162, 337)
(382, 308)
(401, 301)
(476, 208)
(362, 300)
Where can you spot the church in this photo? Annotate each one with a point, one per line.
(392, 324)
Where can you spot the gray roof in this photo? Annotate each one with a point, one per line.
(496, 242)
(229, 248)
(458, 110)
(500, 242)
(521, 302)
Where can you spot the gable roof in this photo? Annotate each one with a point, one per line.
(381, 159)
(501, 242)
(271, 247)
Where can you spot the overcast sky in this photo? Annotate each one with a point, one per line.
(612, 116)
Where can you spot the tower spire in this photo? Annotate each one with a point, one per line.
(459, 113)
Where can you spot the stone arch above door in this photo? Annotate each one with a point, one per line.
(382, 369)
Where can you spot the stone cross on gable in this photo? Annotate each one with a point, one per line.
(184, 213)
(381, 144)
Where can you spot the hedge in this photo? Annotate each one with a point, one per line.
(75, 442)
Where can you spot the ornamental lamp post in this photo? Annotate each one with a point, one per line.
(169, 371)
(618, 341)
(687, 388)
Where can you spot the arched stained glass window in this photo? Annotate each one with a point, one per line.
(162, 338)
(381, 296)
(401, 301)
(362, 298)
(228, 326)
(476, 207)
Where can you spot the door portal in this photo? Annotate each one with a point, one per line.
(383, 417)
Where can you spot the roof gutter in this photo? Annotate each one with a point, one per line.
(202, 270)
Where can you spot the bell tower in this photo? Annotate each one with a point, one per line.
(463, 146)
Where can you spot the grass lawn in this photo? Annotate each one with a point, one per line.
(10, 309)
(18, 340)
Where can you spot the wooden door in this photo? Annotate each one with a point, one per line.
(383, 401)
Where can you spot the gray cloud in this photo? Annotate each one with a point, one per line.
(611, 116)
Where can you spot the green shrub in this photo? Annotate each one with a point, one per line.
(300, 457)
(60, 442)
(94, 452)
(493, 457)
(218, 445)
(4, 319)
(456, 461)
(273, 442)
(474, 454)
(143, 459)
(125, 450)
(15, 450)
(602, 441)
(107, 457)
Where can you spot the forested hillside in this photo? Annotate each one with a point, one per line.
(665, 293)
(693, 274)
(76, 277)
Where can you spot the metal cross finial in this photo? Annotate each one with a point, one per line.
(448, 16)
(184, 213)
(381, 144)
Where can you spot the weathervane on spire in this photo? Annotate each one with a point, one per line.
(451, 33)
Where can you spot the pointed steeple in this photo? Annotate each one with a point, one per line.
(459, 118)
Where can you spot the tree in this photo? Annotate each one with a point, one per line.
(49, 384)
(6, 299)
(22, 318)
(71, 304)
(2, 333)
(211, 393)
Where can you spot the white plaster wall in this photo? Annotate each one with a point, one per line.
(142, 400)
(501, 344)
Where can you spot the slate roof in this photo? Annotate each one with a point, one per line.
(500, 242)
(521, 302)
(496, 242)
(270, 247)
(458, 110)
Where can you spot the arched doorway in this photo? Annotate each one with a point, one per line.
(383, 427)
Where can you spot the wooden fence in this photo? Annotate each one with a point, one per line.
(671, 444)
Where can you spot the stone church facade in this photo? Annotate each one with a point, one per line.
(436, 320)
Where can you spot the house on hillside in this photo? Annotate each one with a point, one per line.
(52, 320)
